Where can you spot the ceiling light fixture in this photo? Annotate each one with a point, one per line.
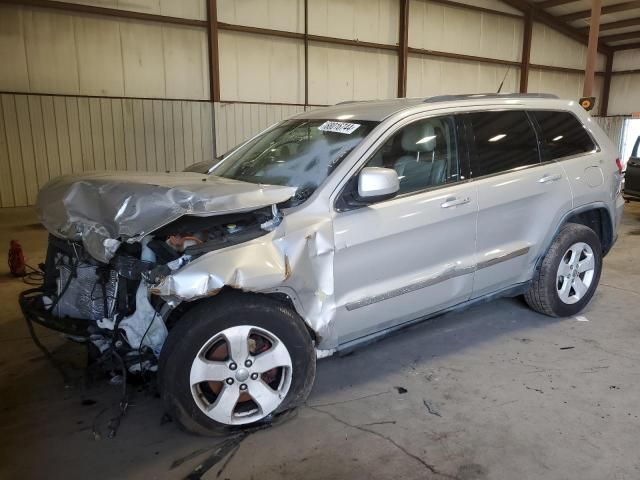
(498, 137)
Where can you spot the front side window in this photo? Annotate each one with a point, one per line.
(562, 134)
(502, 141)
(424, 154)
(298, 153)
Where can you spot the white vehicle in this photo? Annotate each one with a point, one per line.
(322, 233)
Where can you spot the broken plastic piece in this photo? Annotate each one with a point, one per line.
(145, 326)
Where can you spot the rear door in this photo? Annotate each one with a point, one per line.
(632, 175)
(520, 197)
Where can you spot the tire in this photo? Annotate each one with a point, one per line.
(202, 336)
(549, 294)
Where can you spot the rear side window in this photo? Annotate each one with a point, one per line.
(562, 135)
(501, 141)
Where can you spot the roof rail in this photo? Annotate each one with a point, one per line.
(482, 96)
(351, 101)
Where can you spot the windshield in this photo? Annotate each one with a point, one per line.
(297, 153)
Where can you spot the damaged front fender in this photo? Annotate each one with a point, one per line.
(294, 260)
(251, 266)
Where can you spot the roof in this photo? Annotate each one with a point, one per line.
(378, 110)
(619, 20)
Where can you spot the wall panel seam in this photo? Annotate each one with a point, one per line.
(26, 51)
(55, 127)
(6, 139)
(107, 12)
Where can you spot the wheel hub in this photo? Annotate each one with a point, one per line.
(242, 374)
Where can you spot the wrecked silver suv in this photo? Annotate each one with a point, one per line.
(323, 232)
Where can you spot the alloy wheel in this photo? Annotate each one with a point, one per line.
(575, 273)
(241, 375)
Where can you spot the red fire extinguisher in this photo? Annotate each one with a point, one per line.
(16, 259)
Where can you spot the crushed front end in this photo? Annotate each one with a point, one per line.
(104, 259)
(97, 304)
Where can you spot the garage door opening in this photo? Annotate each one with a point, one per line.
(630, 135)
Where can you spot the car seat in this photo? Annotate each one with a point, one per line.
(421, 165)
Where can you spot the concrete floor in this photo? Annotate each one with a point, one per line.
(495, 392)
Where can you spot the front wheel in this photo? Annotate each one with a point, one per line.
(569, 273)
(235, 361)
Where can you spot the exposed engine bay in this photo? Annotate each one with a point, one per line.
(109, 306)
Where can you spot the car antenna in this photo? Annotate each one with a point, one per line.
(503, 79)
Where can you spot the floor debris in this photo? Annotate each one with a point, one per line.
(388, 422)
(228, 447)
(535, 389)
(196, 453)
(401, 390)
(566, 348)
(430, 409)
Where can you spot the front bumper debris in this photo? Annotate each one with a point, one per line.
(33, 308)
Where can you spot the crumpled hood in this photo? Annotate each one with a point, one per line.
(102, 209)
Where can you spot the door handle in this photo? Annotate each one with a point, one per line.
(550, 178)
(454, 201)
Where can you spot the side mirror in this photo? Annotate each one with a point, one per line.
(376, 184)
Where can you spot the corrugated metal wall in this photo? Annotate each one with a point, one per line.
(550, 47)
(445, 28)
(55, 52)
(339, 73)
(236, 122)
(613, 127)
(452, 29)
(287, 15)
(438, 76)
(257, 68)
(365, 20)
(89, 58)
(626, 60)
(625, 93)
(44, 136)
(194, 9)
(563, 84)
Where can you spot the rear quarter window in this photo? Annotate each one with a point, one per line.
(562, 134)
(501, 141)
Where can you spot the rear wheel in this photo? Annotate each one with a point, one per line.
(235, 361)
(569, 273)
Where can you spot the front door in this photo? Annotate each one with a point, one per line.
(412, 255)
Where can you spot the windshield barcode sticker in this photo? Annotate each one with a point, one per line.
(339, 127)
